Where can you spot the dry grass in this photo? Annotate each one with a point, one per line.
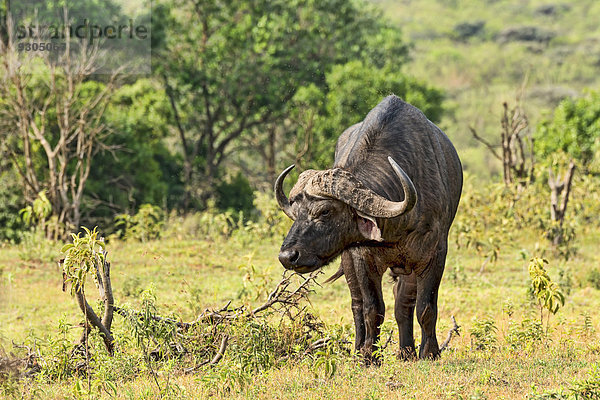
(188, 272)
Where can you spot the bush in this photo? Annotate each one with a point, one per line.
(525, 34)
(573, 128)
(146, 224)
(483, 334)
(467, 30)
(593, 278)
(526, 335)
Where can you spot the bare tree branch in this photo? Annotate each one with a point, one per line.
(491, 147)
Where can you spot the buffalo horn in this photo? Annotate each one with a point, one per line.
(344, 186)
(282, 200)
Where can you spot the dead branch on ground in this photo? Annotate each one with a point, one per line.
(455, 330)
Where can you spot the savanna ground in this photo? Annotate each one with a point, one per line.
(204, 261)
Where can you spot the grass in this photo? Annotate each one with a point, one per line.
(191, 275)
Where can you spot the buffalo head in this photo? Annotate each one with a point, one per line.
(331, 210)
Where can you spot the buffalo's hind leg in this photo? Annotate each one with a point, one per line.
(427, 293)
(405, 293)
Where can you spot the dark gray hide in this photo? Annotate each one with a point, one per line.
(412, 245)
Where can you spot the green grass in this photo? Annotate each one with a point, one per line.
(191, 275)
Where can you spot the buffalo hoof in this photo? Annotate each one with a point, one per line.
(407, 354)
(369, 359)
(430, 350)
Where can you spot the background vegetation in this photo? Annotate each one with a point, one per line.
(181, 166)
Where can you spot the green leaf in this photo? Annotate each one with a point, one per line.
(66, 247)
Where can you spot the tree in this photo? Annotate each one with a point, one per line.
(560, 189)
(11, 201)
(517, 154)
(354, 89)
(52, 122)
(573, 128)
(139, 168)
(230, 68)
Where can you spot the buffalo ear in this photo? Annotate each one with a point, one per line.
(367, 226)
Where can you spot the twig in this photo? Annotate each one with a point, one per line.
(221, 351)
(208, 316)
(280, 295)
(491, 147)
(387, 342)
(455, 330)
(215, 359)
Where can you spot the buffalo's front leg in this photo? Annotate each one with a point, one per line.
(427, 293)
(405, 293)
(373, 308)
(357, 300)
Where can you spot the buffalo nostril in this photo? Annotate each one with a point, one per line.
(294, 256)
(289, 257)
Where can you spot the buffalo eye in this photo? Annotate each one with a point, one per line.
(325, 213)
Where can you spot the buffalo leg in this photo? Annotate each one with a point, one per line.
(405, 293)
(427, 292)
(357, 300)
(369, 282)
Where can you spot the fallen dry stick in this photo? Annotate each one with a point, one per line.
(455, 330)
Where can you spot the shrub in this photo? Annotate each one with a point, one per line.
(593, 277)
(546, 293)
(573, 128)
(468, 29)
(483, 334)
(526, 335)
(146, 224)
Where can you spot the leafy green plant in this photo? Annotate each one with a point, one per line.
(327, 360)
(587, 327)
(57, 359)
(85, 255)
(38, 212)
(574, 128)
(81, 257)
(483, 334)
(525, 335)
(587, 388)
(147, 224)
(546, 293)
(149, 330)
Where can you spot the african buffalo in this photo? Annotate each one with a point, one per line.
(387, 203)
